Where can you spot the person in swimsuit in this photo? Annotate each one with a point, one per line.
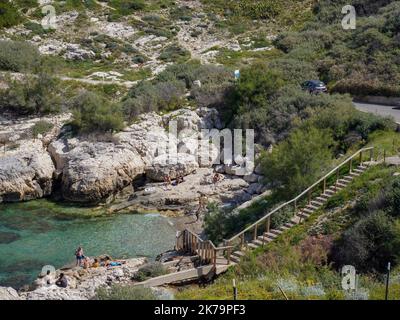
(79, 256)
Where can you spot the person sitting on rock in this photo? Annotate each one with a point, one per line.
(95, 263)
(167, 182)
(86, 263)
(62, 281)
(179, 179)
(216, 178)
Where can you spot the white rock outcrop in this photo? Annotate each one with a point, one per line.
(8, 293)
(26, 173)
(92, 172)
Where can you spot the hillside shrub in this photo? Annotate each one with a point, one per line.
(41, 127)
(298, 161)
(18, 56)
(369, 245)
(93, 113)
(150, 270)
(32, 95)
(9, 15)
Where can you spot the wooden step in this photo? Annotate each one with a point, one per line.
(317, 203)
(284, 228)
(341, 184)
(257, 242)
(296, 220)
(303, 215)
(235, 258)
(359, 170)
(277, 232)
(308, 211)
(321, 199)
(326, 196)
(312, 207)
(361, 167)
(289, 225)
(343, 181)
(270, 235)
(252, 245)
(238, 254)
(330, 192)
(266, 240)
(348, 178)
(355, 174)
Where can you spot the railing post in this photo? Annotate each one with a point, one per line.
(215, 258)
(371, 156)
(351, 165)
(324, 185)
(384, 155)
(241, 241)
(337, 178)
(295, 206)
(227, 244)
(361, 153)
(309, 196)
(268, 226)
(255, 233)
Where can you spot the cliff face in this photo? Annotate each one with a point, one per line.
(26, 174)
(93, 171)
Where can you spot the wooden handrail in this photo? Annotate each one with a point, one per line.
(208, 251)
(305, 192)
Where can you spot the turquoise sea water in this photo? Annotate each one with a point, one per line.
(39, 233)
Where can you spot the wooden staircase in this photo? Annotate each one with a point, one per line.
(301, 215)
(260, 233)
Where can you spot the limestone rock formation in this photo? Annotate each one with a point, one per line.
(8, 294)
(181, 164)
(26, 173)
(93, 171)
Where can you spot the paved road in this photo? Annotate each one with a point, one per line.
(380, 109)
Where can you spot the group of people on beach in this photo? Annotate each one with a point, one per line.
(180, 179)
(203, 201)
(86, 263)
(83, 262)
(168, 181)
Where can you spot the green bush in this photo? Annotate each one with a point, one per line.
(9, 15)
(369, 245)
(298, 161)
(148, 97)
(174, 53)
(32, 95)
(124, 292)
(41, 127)
(150, 270)
(93, 113)
(126, 7)
(18, 56)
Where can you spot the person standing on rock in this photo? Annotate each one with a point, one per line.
(202, 206)
(79, 256)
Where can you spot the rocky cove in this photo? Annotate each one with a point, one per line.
(127, 168)
(109, 174)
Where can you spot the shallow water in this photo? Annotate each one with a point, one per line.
(39, 233)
